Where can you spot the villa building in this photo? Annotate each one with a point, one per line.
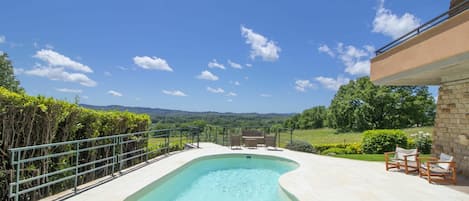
(436, 53)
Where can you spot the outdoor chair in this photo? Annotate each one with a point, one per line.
(270, 142)
(441, 170)
(406, 158)
(235, 141)
(250, 143)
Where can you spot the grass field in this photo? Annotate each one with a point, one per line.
(330, 136)
(368, 157)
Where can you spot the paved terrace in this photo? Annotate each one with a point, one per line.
(319, 178)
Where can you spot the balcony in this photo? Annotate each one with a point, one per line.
(434, 53)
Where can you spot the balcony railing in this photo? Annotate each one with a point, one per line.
(422, 28)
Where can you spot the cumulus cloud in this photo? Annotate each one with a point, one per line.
(234, 65)
(174, 93)
(55, 59)
(265, 95)
(231, 94)
(2, 39)
(236, 83)
(326, 49)
(260, 45)
(303, 85)
(356, 60)
(66, 90)
(390, 24)
(215, 90)
(215, 64)
(152, 63)
(331, 83)
(207, 75)
(60, 74)
(115, 93)
(249, 65)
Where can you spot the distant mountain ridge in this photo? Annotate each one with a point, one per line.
(160, 111)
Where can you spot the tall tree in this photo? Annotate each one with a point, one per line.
(7, 76)
(361, 105)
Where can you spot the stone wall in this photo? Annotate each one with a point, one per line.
(451, 133)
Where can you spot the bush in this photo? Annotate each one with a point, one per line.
(302, 146)
(353, 148)
(380, 141)
(422, 142)
(334, 150)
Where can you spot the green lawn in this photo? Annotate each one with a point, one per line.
(330, 136)
(368, 157)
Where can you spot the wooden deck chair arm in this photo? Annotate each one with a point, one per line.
(386, 155)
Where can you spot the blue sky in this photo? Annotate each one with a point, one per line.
(226, 56)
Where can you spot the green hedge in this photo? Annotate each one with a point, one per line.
(28, 120)
(350, 148)
(380, 141)
(303, 146)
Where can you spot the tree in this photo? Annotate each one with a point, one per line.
(309, 119)
(361, 105)
(7, 76)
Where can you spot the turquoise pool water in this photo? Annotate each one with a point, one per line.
(232, 177)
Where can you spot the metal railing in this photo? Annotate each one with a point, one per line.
(71, 161)
(422, 28)
(221, 135)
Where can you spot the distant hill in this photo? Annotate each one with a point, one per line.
(215, 118)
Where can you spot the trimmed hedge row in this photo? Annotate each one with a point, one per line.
(350, 148)
(28, 120)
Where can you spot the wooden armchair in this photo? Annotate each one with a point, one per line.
(235, 141)
(406, 158)
(440, 170)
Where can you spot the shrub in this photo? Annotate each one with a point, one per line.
(422, 142)
(380, 141)
(353, 148)
(334, 150)
(302, 146)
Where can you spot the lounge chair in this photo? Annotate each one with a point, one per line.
(270, 142)
(406, 158)
(443, 168)
(235, 141)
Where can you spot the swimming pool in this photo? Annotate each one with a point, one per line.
(228, 177)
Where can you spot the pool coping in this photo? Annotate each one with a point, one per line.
(316, 178)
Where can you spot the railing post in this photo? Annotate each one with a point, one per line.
(291, 135)
(223, 137)
(119, 159)
(167, 143)
(198, 137)
(18, 167)
(146, 147)
(114, 159)
(77, 153)
(180, 138)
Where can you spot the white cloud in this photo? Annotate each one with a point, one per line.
(152, 63)
(260, 45)
(249, 65)
(49, 46)
(390, 24)
(216, 91)
(236, 83)
(66, 90)
(356, 60)
(331, 83)
(2, 39)
(174, 93)
(55, 59)
(115, 93)
(231, 94)
(234, 65)
(215, 64)
(62, 75)
(303, 85)
(107, 73)
(265, 95)
(207, 75)
(326, 49)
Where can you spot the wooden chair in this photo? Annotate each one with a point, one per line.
(270, 142)
(406, 158)
(235, 141)
(250, 143)
(439, 170)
